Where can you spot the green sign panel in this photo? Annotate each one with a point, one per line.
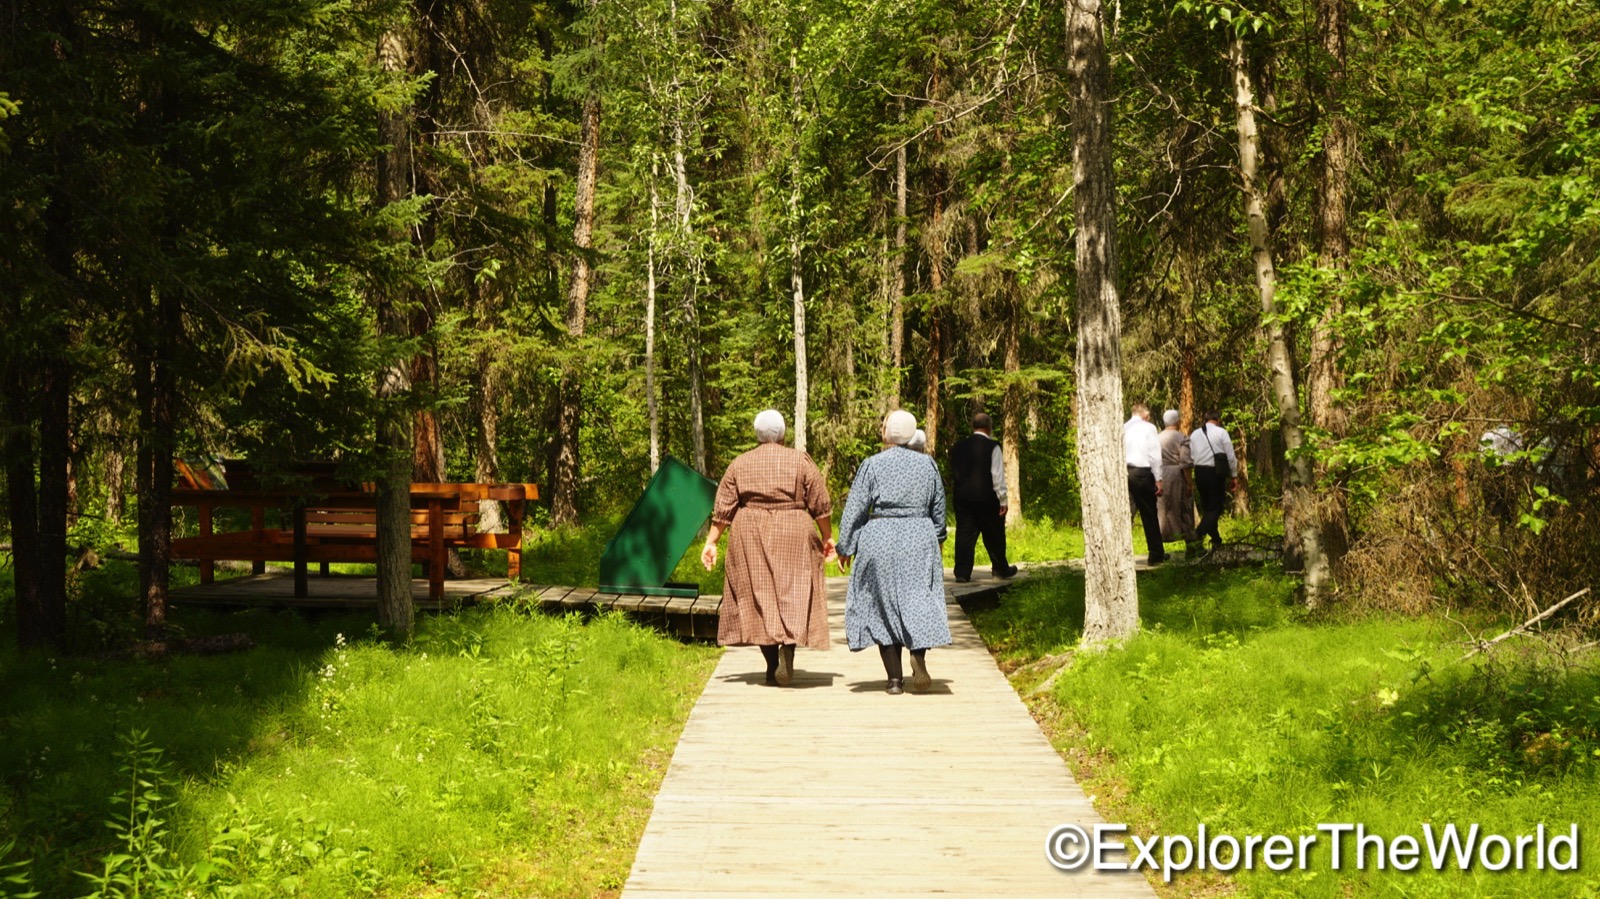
(663, 524)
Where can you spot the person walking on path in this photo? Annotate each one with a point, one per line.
(892, 526)
(1142, 449)
(1176, 503)
(1215, 467)
(774, 593)
(978, 476)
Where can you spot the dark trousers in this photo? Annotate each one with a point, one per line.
(1211, 483)
(974, 519)
(1142, 490)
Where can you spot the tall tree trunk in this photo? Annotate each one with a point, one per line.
(936, 325)
(564, 498)
(394, 439)
(1189, 341)
(1300, 517)
(1333, 187)
(427, 451)
(1011, 452)
(116, 471)
(691, 287)
(897, 297)
(55, 453)
(491, 518)
(156, 447)
(802, 379)
(694, 267)
(22, 497)
(486, 408)
(651, 403)
(1111, 598)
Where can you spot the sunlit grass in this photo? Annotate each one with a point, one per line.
(507, 752)
(1231, 709)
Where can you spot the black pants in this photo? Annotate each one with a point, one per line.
(1142, 490)
(1212, 485)
(974, 519)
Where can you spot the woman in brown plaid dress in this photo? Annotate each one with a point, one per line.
(773, 593)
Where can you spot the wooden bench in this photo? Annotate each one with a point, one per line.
(331, 521)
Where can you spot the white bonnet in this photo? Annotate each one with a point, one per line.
(769, 426)
(899, 427)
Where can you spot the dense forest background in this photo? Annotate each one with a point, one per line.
(552, 242)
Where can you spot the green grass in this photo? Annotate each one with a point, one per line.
(571, 556)
(503, 752)
(1232, 709)
(1035, 540)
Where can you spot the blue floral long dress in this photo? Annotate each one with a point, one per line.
(893, 524)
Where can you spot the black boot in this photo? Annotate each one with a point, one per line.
(891, 667)
(772, 656)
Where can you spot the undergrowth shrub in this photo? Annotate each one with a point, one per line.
(1508, 540)
(500, 753)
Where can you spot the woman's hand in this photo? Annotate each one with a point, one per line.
(829, 551)
(844, 563)
(708, 556)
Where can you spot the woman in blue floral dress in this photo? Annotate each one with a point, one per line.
(893, 524)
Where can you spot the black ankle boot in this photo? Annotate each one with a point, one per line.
(770, 653)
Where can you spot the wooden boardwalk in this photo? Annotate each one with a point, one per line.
(332, 591)
(686, 616)
(832, 788)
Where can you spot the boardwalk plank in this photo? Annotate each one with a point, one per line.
(832, 788)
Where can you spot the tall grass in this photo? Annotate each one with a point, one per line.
(503, 753)
(1230, 709)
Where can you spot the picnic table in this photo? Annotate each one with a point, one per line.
(330, 520)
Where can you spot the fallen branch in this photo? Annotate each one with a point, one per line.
(1486, 645)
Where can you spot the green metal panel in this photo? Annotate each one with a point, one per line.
(662, 525)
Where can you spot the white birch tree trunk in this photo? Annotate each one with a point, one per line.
(650, 324)
(802, 386)
(1299, 514)
(1111, 600)
(897, 299)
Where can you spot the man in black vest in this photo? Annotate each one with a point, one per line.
(979, 477)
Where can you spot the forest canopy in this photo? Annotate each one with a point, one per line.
(553, 242)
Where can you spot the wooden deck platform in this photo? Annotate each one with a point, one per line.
(831, 788)
(334, 591)
(694, 617)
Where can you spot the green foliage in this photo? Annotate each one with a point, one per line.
(1231, 710)
(501, 752)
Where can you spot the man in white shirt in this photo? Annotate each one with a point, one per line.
(1141, 447)
(1215, 468)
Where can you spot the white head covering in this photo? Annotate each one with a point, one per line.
(769, 426)
(1170, 417)
(899, 427)
(919, 441)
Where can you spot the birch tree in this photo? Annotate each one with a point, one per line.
(1300, 513)
(1111, 596)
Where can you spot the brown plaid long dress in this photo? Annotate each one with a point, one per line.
(774, 590)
